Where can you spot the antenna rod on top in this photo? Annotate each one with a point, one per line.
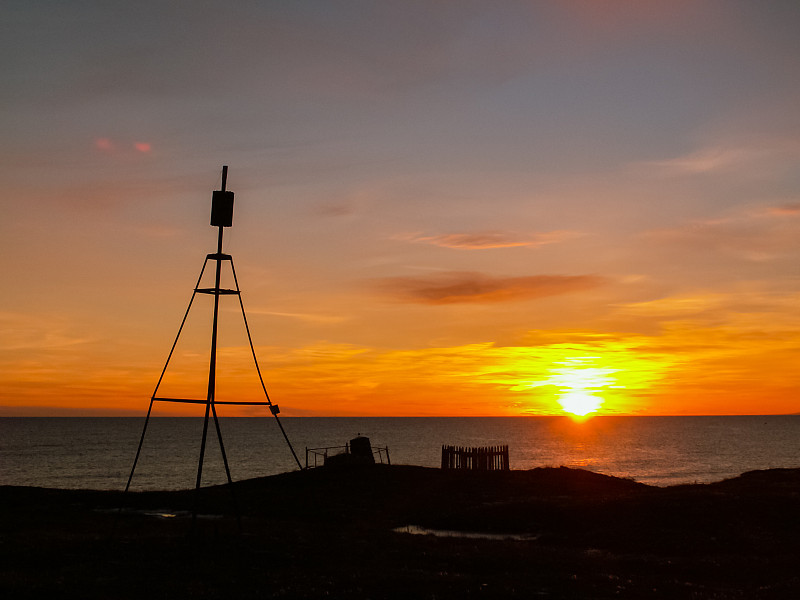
(224, 177)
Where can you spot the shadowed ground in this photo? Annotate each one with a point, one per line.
(329, 533)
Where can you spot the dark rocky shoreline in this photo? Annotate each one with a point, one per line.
(330, 533)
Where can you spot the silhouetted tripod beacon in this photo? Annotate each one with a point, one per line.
(221, 216)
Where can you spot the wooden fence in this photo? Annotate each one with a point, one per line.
(490, 458)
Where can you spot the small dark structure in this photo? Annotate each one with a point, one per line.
(362, 448)
(358, 451)
(489, 458)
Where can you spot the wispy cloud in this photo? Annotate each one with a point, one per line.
(790, 209)
(482, 240)
(157, 230)
(26, 331)
(108, 145)
(756, 234)
(729, 155)
(335, 209)
(677, 307)
(307, 317)
(471, 287)
(751, 308)
(704, 160)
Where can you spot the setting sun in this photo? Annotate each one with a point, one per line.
(582, 379)
(579, 382)
(580, 403)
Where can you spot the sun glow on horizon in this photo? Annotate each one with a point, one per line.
(580, 403)
(580, 384)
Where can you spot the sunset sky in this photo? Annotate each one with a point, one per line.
(442, 207)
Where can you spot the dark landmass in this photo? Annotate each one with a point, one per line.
(329, 533)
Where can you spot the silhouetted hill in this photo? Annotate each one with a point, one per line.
(330, 533)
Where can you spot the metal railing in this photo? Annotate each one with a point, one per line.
(315, 457)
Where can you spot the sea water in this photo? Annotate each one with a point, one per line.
(98, 453)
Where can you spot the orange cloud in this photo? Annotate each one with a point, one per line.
(788, 209)
(688, 367)
(755, 235)
(455, 287)
(705, 160)
(731, 155)
(473, 379)
(491, 239)
(104, 144)
(336, 209)
(107, 145)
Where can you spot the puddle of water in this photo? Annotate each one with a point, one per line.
(164, 515)
(161, 513)
(181, 514)
(416, 530)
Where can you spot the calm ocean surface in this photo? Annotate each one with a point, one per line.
(97, 453)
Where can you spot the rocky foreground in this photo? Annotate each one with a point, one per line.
(332, 533)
